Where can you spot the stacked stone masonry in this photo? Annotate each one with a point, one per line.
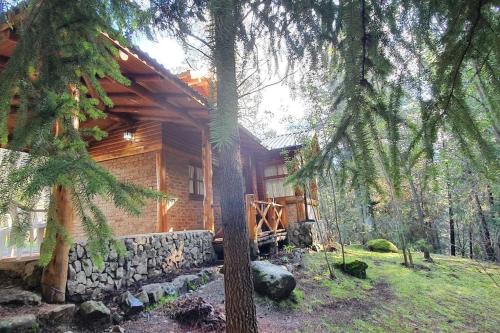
(147, 256)
(308, 233)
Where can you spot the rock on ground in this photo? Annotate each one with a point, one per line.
(354, 268)
(16, 296)
(130, 304)
(57, 314)
(92, 313)
(271, 280)
(154, 291)
(22, 323)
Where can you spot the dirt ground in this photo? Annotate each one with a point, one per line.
(272, 317)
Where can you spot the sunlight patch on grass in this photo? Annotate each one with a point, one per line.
(454, 294)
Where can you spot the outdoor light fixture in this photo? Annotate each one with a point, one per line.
(128, 135)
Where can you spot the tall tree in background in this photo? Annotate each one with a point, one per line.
(60, 43)
(372, 88)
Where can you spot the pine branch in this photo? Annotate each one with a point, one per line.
(458, 66)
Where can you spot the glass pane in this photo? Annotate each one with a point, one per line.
(276, 188)
(270, 171)
(201, 188)
(199, 174)
(191, 172)
(191, 186)
(282, 170)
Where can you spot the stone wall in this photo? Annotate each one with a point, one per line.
(147, 256)
(308, 233)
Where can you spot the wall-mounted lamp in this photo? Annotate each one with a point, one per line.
(128, 135)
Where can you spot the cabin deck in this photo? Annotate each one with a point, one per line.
(267, 223)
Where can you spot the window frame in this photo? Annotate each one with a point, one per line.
(196, 181)
(278, 167)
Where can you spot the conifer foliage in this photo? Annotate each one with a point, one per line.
(61, 51)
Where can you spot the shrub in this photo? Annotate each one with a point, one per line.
(381, 245)
(355, 268)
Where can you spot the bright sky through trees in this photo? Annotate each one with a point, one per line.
(277, 98)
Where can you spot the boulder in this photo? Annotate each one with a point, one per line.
(170, 289)
(143, 297)
(381, 245)
(92, 313)
(22, 323)
(271, 280)
(57, 314)
(130, 304)
(354, 268)
(17, 296)
(155, 292)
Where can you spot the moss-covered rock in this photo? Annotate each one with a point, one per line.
(381, 245)
(356, 268)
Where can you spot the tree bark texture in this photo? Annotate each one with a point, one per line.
(451, 221)
(238, 285)
(488, 247)
(55, 275)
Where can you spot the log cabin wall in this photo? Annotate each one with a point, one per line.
(147, 138)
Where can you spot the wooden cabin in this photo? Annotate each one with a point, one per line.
(158, 137)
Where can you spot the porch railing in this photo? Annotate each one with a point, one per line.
(32, 242)
(266, 220)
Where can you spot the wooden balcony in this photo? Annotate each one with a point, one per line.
(266, 220)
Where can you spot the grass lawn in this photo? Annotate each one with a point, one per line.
(450, 295)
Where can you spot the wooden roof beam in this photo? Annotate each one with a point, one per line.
(161, 102)
(148, 77)
(127, 95)
(151, 113)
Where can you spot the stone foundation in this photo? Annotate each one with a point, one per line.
(147, 256)
(308, 233)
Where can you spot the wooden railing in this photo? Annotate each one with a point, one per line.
(266, 220)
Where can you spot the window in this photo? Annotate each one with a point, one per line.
(196, 188)
(274, 180)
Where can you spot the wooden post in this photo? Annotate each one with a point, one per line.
(252, 226)
(161, 180)
(253, 173)
(55, 275)
(208, 200)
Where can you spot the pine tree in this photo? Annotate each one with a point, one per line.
(61, 44)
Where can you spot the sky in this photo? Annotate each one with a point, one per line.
(276, 99)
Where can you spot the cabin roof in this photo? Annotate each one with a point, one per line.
(155, 94)
(285, 141)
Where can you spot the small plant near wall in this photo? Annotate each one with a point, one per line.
(289, 248)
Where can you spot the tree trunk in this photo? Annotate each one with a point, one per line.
(488, 247)
(240, 307)
(470, 242)
(336, 216)
(451, 222)
(55, 274)
(416, 202)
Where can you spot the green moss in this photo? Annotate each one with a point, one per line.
(354, 268)
(161, 302)
(450, 295)
(381, 245)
